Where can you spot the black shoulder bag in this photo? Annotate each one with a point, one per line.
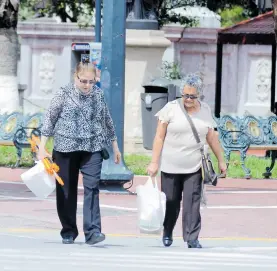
(208, 174)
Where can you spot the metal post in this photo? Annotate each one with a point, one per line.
(97, 20)
(113, 82)
(219, 55)
(273, 81)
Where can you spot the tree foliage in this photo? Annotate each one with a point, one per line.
(233, 15)
(81, 11)
(67, 10)
(237, 9)
(214, 5)
(166, 14)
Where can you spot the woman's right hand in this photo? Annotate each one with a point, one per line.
(152, 169)
(42, 153)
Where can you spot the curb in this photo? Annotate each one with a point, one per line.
(13, 175)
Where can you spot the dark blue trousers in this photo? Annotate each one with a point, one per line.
(90, 165)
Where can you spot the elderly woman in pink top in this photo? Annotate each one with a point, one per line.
(178, 154)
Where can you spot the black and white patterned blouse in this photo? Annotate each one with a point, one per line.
(79, 122)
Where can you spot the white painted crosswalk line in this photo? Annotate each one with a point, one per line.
(121, 259)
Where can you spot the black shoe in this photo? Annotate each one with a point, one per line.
(96, 238)
(167, 239)
(194, 244)
(68, 240)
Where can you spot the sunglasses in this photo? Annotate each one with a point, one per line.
(189, 96)
(85, 81)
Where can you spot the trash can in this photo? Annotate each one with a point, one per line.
(157, 94)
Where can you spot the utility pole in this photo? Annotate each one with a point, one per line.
(274, 4)
(113, 82)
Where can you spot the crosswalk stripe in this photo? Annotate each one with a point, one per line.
(164, 259)
(173, 260)
(45, 258)
(166, 254)
(126, 264)
(220, 254)
(104, 264)
(172, 265)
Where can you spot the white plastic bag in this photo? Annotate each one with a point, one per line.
(39, 181)
(151, 207)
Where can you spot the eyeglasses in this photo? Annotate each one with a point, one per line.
(189, 96)
(85, 81)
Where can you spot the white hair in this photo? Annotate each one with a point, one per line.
(192, 80)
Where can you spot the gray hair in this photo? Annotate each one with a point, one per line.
(193, 80)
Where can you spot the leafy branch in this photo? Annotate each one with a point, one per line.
(171, 70)
(166, 13)
(76, 11)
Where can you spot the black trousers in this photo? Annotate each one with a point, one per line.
(190, 186)
(90, 165)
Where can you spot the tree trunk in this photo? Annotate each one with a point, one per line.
(9, 98)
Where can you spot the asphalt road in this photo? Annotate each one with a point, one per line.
(239, 233)
(44, 252)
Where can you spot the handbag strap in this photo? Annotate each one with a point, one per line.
(195, 133)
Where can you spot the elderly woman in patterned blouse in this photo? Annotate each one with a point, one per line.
(180, 159)
(79, 121)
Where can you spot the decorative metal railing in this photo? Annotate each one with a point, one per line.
(16, 129)
(248, 132)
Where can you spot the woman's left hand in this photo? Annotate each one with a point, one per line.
(223, 168)
(117, 156)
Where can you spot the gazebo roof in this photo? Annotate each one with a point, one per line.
(258, 30)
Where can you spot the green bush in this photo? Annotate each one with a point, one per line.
(233, 15)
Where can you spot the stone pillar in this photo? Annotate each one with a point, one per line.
(144, 53)
(254, 80)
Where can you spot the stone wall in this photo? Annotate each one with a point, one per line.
(246, 69)
(46, 58)
(253, 80)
